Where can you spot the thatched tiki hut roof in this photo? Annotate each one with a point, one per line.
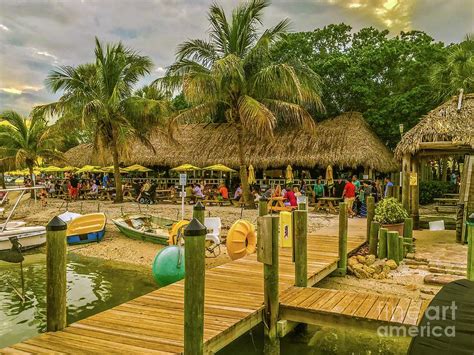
(344, 141)
(452, 128)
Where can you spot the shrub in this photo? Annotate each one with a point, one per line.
(390, 211)
(430, 190)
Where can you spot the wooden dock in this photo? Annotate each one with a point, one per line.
(153, 323)
(317, 305)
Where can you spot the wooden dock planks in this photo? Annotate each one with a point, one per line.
(153, 323)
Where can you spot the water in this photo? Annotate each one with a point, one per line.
(93, 286)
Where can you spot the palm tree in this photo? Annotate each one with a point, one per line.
(24, 140)
(233, 73)
(100, 96)
(456, 72)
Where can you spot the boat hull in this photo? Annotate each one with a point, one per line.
(88, 228)
(27, 239)
(86, 238)
(130, 232)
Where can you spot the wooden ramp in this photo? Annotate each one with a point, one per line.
(317, 305)
(153, 323)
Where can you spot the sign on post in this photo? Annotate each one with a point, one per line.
(182, 179)
(413, 179)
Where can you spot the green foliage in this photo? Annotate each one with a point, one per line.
(385, 78)
(390, 211)
(429, 190)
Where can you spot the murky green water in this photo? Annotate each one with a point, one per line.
(93, 286)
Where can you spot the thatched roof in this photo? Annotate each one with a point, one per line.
(344, 141)
(443, 124)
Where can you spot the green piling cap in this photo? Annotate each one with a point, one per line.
(199, 206)
(56, 224)
(195, 229)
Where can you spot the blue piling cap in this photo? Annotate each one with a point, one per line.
(56, 224)
(199, 206)
(195, 229)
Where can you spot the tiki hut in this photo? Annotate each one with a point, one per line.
(344, 141)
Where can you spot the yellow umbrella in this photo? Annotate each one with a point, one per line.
(329, 175)
(110, 169)
(136, 168)
(50, 169)
(69, 168)
(186, 167)
(219, 167)
(89, 169)
(289, 174)
(251, 178)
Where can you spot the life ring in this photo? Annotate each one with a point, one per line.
(241, 239)
(176, 228)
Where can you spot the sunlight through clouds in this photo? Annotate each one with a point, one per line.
(3, 27)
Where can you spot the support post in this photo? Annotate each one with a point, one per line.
(300, 230)
(392, 246)
(470, 252)
(374, 236)
(382, 250)
(415, 193)
(408, 234)
(262, 206)
(194, 258)
(199, 212)
(396, 192)
(271, 294)
(370, 214)
(401, 249)
(56, 250)
(406, 167)
(343, 222)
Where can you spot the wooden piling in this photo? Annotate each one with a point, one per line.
(199, 212)
(408, 233)
(56, 251)
(300, 245)
(262, 206)
(374, 236)
(271, 293)
(392, 246)
(194, 258)
(370, 214)
(343, 222)
(382, 249)
(401, 249)
(470, 252)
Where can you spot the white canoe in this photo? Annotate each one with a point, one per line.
(28, 237)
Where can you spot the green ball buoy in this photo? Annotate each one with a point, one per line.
(168, 266)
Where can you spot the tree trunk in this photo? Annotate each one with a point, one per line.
(30, 169)
(2, 179)
(118, 180)
(248, 200)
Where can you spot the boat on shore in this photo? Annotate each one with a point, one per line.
(86, 228)
(28, 237)
(145, 227)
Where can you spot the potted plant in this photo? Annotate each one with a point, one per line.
(391, 214)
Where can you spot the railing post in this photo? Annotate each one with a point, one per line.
(194, 257)
(300, 245)
(408, 234)
(262, 206)
(392, 246)
(343, 223)
(382, 249)
(268, 254)
(374, 236)
(199, 212)
(370, 214)
(56, 251)
(470, 252)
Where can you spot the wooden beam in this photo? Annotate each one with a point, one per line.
(443, 145)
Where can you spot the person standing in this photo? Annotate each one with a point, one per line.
(349, 196)
(318, 190)
(388, 183)
(339, 188)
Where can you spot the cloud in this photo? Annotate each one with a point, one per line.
(37, 35)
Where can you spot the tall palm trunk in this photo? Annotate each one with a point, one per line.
(30, 169)
(248, 200)
(2, 179)
(118, 180)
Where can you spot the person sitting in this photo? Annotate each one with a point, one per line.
(224, 192)
(146, 186)
(277, 191)
(43, 195)
(290, 198)
(94, 191)
(238, 193)
(197, 191)
(256, 194)
(189, 192)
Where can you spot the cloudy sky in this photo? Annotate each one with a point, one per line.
(36, 35)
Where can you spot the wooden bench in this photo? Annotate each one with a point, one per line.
(216, 202)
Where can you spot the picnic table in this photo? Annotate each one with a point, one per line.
(327, 203)
(106, 194)
(276, 204)
(216, 202)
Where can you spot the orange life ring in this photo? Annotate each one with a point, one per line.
(241, 239)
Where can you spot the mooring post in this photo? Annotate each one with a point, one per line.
(470, 252)
(194, 259)
(392, 246)
(408, 234)
(382, 249)
(300, 230)
(199, 212)
(370, 214)
(374, 236)
(343, 223)
(268, 254)
(56, 250)
(262, 206)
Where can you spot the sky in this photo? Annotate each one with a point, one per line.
(37, 35)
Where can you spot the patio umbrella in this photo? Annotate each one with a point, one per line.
(251, 178)
(110, 169)
(289, 174)
(69, 168)
(186, 167)
(136, 168)
(50, 169)
(329, 175)
(220, 167)
(89, 169)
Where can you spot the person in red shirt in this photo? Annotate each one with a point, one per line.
(224, 192)
(349, 196)
(290, 197)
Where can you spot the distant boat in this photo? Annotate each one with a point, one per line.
(28, 237)
(86, 228)
(145, 227)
